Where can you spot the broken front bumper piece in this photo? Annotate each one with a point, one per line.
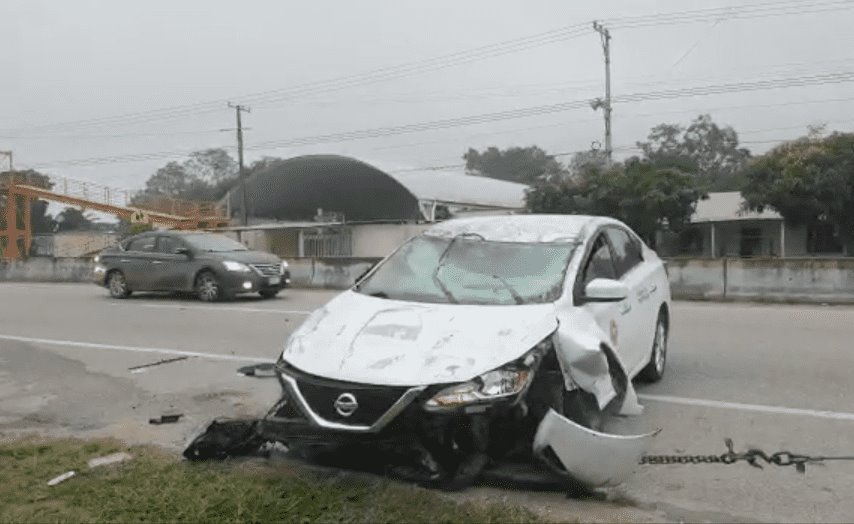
(586, 456)
(405, 434)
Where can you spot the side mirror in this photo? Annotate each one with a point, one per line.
(605, 290)
(182, 251)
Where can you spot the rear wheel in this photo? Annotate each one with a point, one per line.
(268, 293)
(208, 287)
(118, 285)
(654, 371)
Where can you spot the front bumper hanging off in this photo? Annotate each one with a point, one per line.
(399, 427)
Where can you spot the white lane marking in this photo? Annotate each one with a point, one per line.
(227, 308)
(737, 406)
(134, 349)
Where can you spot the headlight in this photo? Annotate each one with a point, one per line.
(236, 266)
(283, 267)
(505, 382)
(97, 258)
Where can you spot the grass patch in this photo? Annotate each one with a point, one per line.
(158, 487)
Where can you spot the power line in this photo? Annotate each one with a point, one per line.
(782, 8)
(361, 134)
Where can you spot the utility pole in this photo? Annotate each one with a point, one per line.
(605, 35)
(241, 109)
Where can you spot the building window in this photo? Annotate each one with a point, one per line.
(326, 242)
(823, 238)
(751, 242)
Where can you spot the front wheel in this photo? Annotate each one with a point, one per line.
(118, 285)
(654, 371)
(208, 287)
(268, 293)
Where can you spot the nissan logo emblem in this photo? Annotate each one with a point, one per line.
(346, 404)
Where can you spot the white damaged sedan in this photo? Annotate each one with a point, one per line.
(481, 341)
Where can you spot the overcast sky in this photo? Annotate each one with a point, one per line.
(77, 60)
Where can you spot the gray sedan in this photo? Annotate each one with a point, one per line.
(212, 266)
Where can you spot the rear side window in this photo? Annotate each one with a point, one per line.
(627, 253)
(142, 244)
(599, 265)
(167, 245)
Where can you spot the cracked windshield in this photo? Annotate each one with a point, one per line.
(383, 261)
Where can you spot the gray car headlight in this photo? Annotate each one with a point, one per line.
(283, 267)
(501, 383)
(240, 267)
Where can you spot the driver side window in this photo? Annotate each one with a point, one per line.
(599, 264)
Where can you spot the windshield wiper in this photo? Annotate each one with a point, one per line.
(516, 296)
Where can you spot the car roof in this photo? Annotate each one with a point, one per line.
(523, 228)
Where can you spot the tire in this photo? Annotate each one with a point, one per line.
(654, 371)
(208, 287)
(118, 285)
(268, 293)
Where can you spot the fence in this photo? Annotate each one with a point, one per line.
(820, 280)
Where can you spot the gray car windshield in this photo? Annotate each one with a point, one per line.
(468, 270)
(214, 243)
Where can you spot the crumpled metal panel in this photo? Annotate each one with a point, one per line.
(585, 364)
(590, 457)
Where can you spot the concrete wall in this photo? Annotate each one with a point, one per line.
(379, 240)
(821, 280)
(81, 243)
(329, 273)
(42, 269)
(697, 278)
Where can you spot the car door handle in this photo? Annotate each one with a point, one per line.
(124, 260)
(156, 261)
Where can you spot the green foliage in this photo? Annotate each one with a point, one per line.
(155, 487)
(516, 164)
(72, 219)
(205, 175)
(709, 151)
(807, 181)
(641, 194)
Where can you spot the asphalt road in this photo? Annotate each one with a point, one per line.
(775, 377)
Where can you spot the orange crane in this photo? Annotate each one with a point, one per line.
(134, 206)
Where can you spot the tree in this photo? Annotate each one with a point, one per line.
(516, 164)
(645, 196)
(709, 151)
(205, 175)
(73, 219)
(808, 181)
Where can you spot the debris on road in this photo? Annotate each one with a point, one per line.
(106, 460)
(62, 478)
(142, 368)
(165, 419)
(267, 369)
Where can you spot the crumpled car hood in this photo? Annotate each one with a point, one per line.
(358, 338)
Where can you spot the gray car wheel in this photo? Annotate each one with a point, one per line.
(208, 287)
(117, 284)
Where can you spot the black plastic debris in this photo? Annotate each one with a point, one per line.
(225, 438)
(138, 369)
(267, 369)
(165, 419)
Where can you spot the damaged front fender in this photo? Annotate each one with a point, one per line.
(586, 456)
(591, 365)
